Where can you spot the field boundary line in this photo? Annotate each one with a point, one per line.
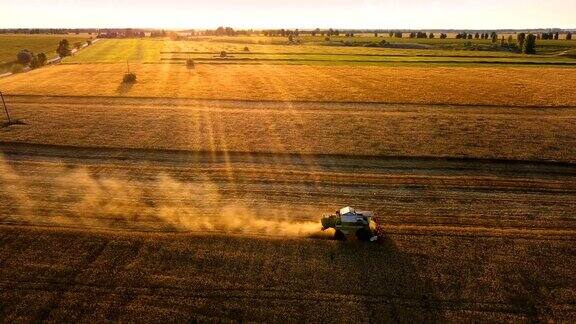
(359, 54)
(383, 103)
(256, 60)
(10, 148)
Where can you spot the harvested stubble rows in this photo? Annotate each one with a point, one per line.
(465, 86)
(453, 251)
(300, 128)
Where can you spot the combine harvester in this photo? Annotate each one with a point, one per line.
(349, 222)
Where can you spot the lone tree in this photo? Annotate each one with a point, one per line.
(520, 38)
(529, 45)
(25, 57)
(494, 37)
(38, 61)
(64, 48)
(42, 59)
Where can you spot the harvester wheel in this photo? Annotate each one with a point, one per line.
(363, 234)
(340, 236)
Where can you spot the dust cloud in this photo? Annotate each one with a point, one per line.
(57, 195)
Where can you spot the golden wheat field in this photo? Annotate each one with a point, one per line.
(195, 195)
(447, 85)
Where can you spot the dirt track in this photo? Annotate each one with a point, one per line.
(465, 238)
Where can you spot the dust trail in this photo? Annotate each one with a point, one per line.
(57, 195)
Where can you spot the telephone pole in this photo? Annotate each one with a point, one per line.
(5, 108)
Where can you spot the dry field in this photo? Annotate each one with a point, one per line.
(195, 195)
(361, 129)
(172, 209)
(458, 86)
(154, 235)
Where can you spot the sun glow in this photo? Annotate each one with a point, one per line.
(182, 14)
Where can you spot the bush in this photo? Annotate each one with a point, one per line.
(494, 37)
(520, 39)
(129, 78)
(17, 68)
(43, 59)
(190, 63)
(246, 49)
(34, 64)
(38, 61)
(326, 39)
(24, 57)
(64, 48)
(529, 44)
(223, 54)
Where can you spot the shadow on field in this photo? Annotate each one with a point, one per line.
(393, 289)
(6, 124)
(124, 88)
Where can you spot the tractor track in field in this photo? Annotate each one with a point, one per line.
(263, 294)
(98, 276)
(333, 163)
(544, 192)
(296, 133)
(150, 102)
(462, 231)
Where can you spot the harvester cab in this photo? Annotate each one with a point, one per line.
(349, 222)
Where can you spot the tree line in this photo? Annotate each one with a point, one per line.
(26, 58)
(229, 31)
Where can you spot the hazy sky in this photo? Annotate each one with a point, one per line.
(483, 14)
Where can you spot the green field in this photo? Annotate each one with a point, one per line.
(240, 51)
(10, 45)
(312, 50)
